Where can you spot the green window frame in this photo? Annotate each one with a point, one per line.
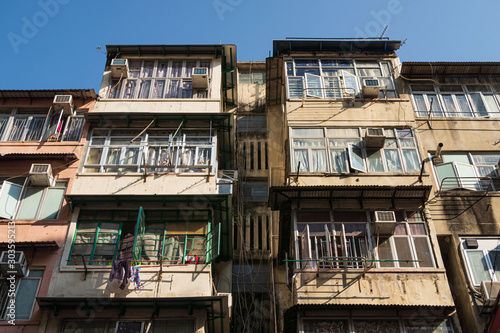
(99, 240)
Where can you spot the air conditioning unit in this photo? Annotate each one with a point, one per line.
(489, 292)
(385, 222)
(371, 88)
(13, 264)
(63, 102)
(41, 175)
(119, 68)
(374, 138)
(200, 78)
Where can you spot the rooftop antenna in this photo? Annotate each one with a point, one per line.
(383, 31)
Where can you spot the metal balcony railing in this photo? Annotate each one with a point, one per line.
(469, 183)
(331, 93)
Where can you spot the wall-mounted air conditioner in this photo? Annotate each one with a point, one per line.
(41, 174)
(63, 102)
(489, 292)
(374, 138)
(371, 88)
(385, 222)
(119, 68)
(13, 263)
(200, 78)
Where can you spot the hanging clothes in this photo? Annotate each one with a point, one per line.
(136, 270)
(121, 270)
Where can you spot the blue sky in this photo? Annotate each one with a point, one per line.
(52, 44)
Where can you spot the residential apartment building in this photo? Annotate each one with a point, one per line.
(253, 294)
(153, 189)
(41, 143)
(357, 249)
(456, 108)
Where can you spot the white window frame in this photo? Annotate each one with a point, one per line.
(58, 185)
(178, 146)
(118, 88)
(467, 93)
(485, 247)
(348, 149)
(18, 283)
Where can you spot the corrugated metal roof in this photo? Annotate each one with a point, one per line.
(414, 68)
(281, 194)
(48, 93)
(289, 46)
(212, 49)
(33, 245)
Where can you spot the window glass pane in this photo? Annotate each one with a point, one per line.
(8, 200)
(356, 158)
(494, 257)
(391, 143)
(74, 130)
(303, 71)
(339, 158)
(114, 156)
(477, 266)
(461, 158)
(144, 89)
(319, 160)
(35, 129)
(424, 254)
(371, 72)
(313, 81)
(131, 155)
(130, 86)
(306, 63)
(478, 105)
(478, 88)
(465, 110)
(486, 159)
(307, 132)
(374, 161)
(403, 250)
(428, 325)
(17, 130)
(176, 69)
(392, 160)
(94, 156)
(344, 142)
(147, 70)
(420, 107)
(52, 203)
(300, 156)
(134, 68)
(417, 228)
(411, 160)
(385, 253)
(492, 105)
(173, 89)
(326, 325)
(447, 176)
(334, 84)
(400, 229)
(308, 142)
(295, 87)
(343, 132)
(25, 297)
(30, 204)
(407, 142)
(376, 325)
(162, 69)
(91, 326)
(436, 107)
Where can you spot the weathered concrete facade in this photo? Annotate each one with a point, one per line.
(36, 216)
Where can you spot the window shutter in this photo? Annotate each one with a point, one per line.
(274, 78)
(356, 158)
(9, 196)
(213, 244)
(49, 128)
(305, 240)
(140, 230)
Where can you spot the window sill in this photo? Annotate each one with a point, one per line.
(374, 270)
(160, 100)
(422, 118)
(141, 174)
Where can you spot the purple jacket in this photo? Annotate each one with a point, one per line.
(121, 270)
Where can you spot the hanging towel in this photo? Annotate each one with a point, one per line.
(136, 270)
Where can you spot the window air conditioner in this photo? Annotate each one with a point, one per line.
(200, 78)
(385, 222)
(119, 68)
(374, 138)
(63, 102)
(19, 266)
(371, 88)
(489, 292)
(41, 175)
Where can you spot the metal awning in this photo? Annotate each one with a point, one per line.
(216, 306)
(128, 117)
(292, 45)
(45, 245)
(361, 194)
(193, 49)
(48, 93)
(426, 69)
(118, 199)
(38, 156)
